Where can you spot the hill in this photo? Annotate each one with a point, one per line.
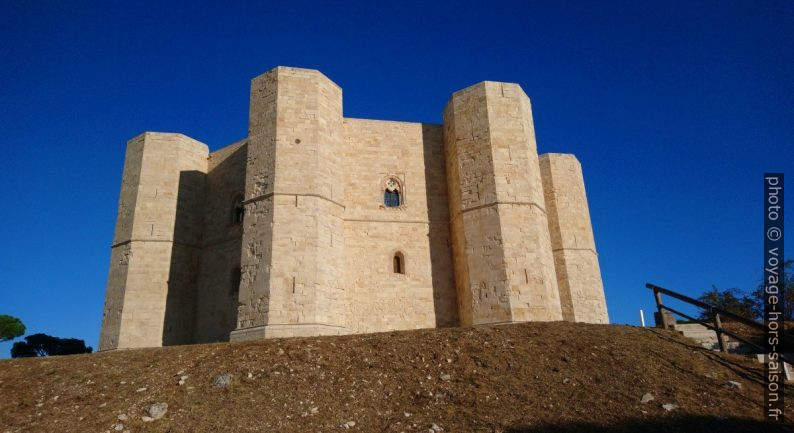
(532, 377)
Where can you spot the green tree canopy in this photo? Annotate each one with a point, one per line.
(46, 345)
(10, 327)
(732, 300)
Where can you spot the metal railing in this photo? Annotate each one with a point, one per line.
(717, 312)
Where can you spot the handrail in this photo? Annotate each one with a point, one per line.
(713, 328)
(716, 327)
(706, 306)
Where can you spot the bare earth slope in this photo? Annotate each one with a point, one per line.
(532, 377)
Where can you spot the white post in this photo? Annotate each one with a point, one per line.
(642, 318)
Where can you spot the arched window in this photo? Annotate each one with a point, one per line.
(399, 263)
(391, 198)
(238, 209)
(391, 193)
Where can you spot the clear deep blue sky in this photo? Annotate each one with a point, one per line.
(674, 108)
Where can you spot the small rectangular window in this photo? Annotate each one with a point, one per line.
(235, 283)
(399, 266)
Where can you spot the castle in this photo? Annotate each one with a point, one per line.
(317, 224)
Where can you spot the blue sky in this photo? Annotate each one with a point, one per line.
(674, 108)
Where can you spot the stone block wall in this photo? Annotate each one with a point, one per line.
(219, 270)
(295, 193)
(256, 251)
(484, 230)
(380, 299)
(575, 257)
(151, 287)
(503, 257)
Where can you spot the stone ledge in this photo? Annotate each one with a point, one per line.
(281, 331)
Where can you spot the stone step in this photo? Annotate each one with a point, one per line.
(730, 345)
(711, 335)
(704, 336)
(788, 369)
(690, 327)
(704, 339)
(699, 334)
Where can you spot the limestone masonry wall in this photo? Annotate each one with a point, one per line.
(318, 224)
(575, 258)
(151, 288)
(219, 270)
(380, 299)
(500, 231)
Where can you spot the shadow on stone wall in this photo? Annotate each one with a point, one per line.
(180, 307)
(683, 424)
(445, 302)
(217, 298)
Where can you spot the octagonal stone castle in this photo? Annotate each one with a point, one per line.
(317, 224)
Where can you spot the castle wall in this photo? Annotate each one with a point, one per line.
(120, 252)
(575, 257)
(157, 243)
(503, 258)
(257, 243)
(219, 277)
(486, 231)
(295, 183)
(378, 298)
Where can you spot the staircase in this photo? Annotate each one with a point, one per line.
(708, 339)
(705, 336)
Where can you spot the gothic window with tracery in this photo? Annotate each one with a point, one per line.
(391, 194)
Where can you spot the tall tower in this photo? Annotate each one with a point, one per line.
(293, 247)
(156, 247)
(504, 266)
(575, 258)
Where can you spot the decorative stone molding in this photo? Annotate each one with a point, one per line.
(392, 183)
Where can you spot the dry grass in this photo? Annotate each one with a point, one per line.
(532, 377)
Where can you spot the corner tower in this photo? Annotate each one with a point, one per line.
(293, 234)
(504, 266)
(575, 258)
(150, 296)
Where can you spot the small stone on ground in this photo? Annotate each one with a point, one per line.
(222, 380)
(157, 410)
(733, 384)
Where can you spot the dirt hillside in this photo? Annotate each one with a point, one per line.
(533, 377)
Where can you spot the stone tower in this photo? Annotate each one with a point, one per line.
(317, 224)
(575, 258)
(154, 259)
(504, 266)
(293, 242)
